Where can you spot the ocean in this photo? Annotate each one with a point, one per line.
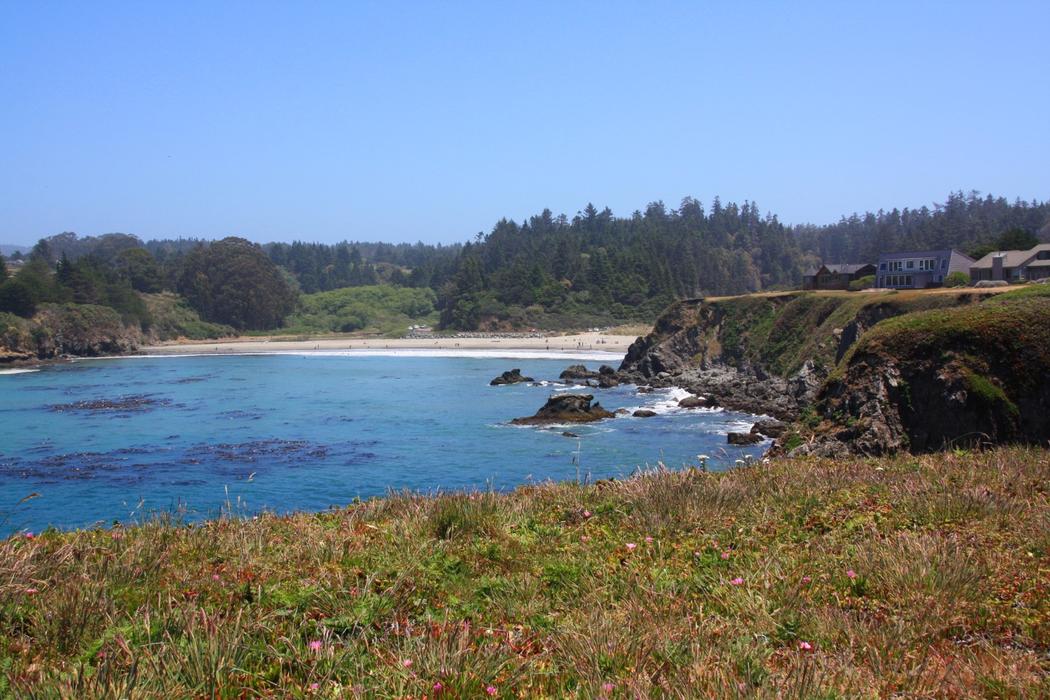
(93, 442)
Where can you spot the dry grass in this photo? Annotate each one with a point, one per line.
(906, 577)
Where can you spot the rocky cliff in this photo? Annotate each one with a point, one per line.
(938, 379)
(765, 353)
(66, 329)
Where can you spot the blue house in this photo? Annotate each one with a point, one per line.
(919, 269)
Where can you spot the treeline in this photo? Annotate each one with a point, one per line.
(545, 271)
(967, 222)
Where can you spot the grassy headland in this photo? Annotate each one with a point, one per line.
(922, 577)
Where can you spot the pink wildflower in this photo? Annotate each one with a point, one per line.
(30, 536)
(438, 687)
(315, 686)
(216, 577)
(631, 546)
(725, 554)
(586, 513)
(607, 687)
(32, 591)
(648, 540)
(851, 574)
(585, 538)
(737, 581)
(491, 690)
(806, 579)
(117, 535)
(805, 646)
(407, 663)
(316, 645)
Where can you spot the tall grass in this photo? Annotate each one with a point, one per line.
(906, 577)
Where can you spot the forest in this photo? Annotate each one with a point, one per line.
(547, 271)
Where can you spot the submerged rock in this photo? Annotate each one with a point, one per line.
(566, 408)
(511, 377)
(643, 413)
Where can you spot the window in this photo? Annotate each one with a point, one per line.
(882, 266)
(911, 264)
(895, 266)
(928, 265)
(944, 263)
(907, 280)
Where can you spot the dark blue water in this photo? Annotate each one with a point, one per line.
(105, 440)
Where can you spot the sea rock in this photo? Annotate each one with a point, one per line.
(608, 381)
(622, 412)
(566, 408)
(577, 372)
(643, 413)
(569, 435)
(696, 402)
(511, 377)
(743, 438)
(769, 427)
(606, 369)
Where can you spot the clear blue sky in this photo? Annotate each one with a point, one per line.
(429, 121)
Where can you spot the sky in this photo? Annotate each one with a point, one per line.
(396, 121)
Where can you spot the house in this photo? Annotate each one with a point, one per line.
(1013, 265)
(919, 269)
(836, 276)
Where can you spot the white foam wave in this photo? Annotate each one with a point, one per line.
(665, 402)
(17, 371)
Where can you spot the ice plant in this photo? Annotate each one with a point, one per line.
(648, 540)
(851, 574)
(585, 538)
(631, 546)
(805, 646)
(725, 555)
(586, 513)
(316, 645)
(737, 581)
(438, 687)
(407, 663)
(491, 690)
(806, 579)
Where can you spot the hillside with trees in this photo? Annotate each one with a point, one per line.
(548, 271)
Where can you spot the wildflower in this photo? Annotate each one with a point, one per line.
(407, 663)
(805, 646)
(648, 540)
(216, 577)
(585, 538)
(32, 591)
(851, 574)
(608, 687)
(315, 686)
(491, 690)
(725, 554)
(586, 513)
(737, 581)
(117, 535)
(316, 645)
(30, 536)
(438, 687)
(631, 546)
(806, 579)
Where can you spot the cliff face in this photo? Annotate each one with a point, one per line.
(765, 353)
(69, 329)
(938, 379)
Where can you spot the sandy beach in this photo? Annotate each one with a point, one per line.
(591, 342)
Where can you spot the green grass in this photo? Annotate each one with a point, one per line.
(377, 309)
(172, 318)
(911, 577)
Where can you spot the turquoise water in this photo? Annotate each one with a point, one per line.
(105, 440)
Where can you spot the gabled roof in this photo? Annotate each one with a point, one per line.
(943, 253)
(846, 268)
(1011, 258)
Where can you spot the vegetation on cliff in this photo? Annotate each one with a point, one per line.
(913, 577)
(928, 380)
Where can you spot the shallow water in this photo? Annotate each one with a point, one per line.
(105, 440)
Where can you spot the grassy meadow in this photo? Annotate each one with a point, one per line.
(913, 576)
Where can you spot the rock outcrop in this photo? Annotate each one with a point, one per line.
(575, 373)
(567, 408)
(643, 413)
(743, 438)
(932, 380)
(511, 377)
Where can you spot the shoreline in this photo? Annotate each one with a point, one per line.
(562, 345)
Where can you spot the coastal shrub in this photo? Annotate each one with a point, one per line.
(956, 279)
(463, 515)
(376, 308)
(866, 282)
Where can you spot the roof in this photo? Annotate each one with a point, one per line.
(1011, 258)
(846, 268)
(924, 254)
